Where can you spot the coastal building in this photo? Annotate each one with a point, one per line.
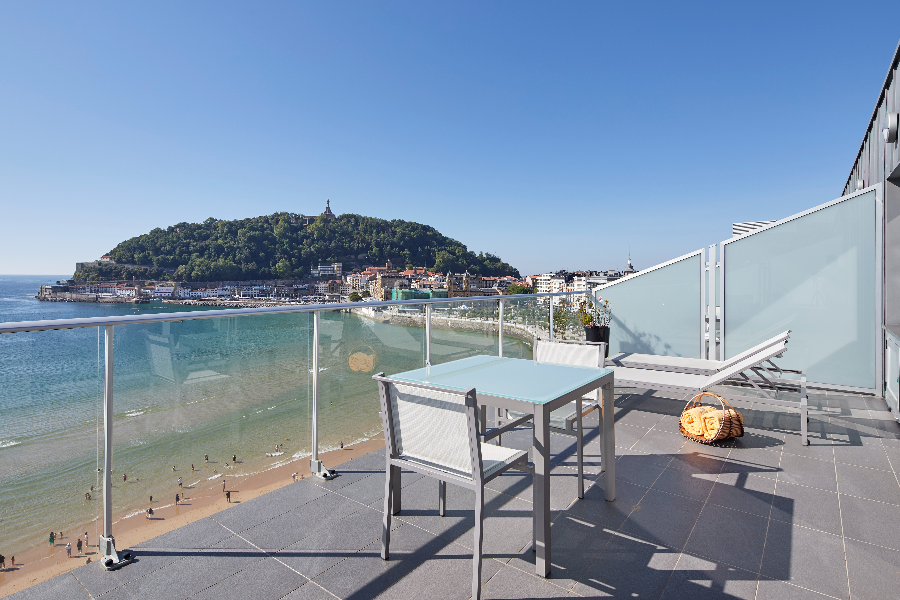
(327, 214)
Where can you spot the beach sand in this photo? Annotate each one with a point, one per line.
(44, 562)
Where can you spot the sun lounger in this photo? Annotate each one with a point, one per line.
(750, 372)
(698, 366)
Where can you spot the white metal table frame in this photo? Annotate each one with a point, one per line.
(541, 456)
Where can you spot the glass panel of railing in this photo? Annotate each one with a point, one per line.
(567, 312)
(51, 397)
(208, 406)
(531, 316)
(815, 275)
(464, 328)
(657, 311)
(355, 344)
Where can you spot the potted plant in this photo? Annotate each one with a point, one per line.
(595, 318)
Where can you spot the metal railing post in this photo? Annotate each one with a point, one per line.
(107, 543)
(550, 299)
(427, 335)
(500, 328)
(315, 465)
(711, 310)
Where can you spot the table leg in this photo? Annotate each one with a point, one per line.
(541, 490)
(609, 441)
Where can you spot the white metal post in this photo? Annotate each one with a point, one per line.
(711, 306)
(500, 328)
(315, 465)
(427, 335)
(550, 299)
(107, 543)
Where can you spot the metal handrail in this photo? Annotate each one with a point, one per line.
(48, 325)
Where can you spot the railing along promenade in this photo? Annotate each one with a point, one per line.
(110, 557)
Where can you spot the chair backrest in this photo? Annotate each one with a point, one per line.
(434, 425)
(564, 353)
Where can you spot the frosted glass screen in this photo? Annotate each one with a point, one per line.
(657, 312)
(814, 275)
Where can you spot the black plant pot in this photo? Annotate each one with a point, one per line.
(597, 333)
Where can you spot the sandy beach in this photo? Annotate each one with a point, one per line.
(43, 561)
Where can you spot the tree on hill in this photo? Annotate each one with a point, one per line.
(278, 246)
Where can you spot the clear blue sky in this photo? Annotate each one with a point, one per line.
(556, 134)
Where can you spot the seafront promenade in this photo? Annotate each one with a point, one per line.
(761, 517)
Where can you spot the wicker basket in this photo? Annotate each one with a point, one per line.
(730, 425)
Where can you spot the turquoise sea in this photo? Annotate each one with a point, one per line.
(222, 387)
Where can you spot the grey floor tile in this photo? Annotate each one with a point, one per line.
(807, 507)
(267, 579)
(574, 543)
(95, 579)
(147, 561)
(765, 462)
(285, 530)
(869, 521)
(512, 583)
(368, 490)
(345, 478)
(199, 534)
(326, 548)
(637, 417)
(730, 537)
(614, 572)
(663, 519)
(660, 442)
(627, 436)
(364, 574)
(872, 484)
(746, 492)
(870, 454)
(682, 482)
(197, 572)
(253, 512)
(63, 586)
(696, 578)
(310, 591)
(771, 589)
(874, 571)
(447, 574)
(641, 469)
(699, 460)
(808, 471)
(806, 557)
(608, 515)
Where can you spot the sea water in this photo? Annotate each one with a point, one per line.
(223, 387)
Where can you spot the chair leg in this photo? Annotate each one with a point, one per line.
(479, 541)
(388, 509)
(395, 490)
(442, 497)
(580, 421)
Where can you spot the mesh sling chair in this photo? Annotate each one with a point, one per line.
(434, 431)
(567, 419)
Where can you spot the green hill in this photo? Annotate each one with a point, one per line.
(279, 246)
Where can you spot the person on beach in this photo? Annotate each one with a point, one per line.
(342, 444)
(149, 513)
(2, 562)
(85, 540)
(223, 485)
(179, 482)
(173, 468)
(52, 538)
(206, 457)
(192, 467)
(293, 477)
(87, 496)
(234, 458)
(177, 498)
(68, 550)
(124, 476)
(78, 546)
(12, 562)
(228, 496)
(151, 499)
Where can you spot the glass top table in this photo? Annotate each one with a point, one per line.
(538, 389)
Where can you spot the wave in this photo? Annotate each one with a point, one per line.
(8, 443)
(136, 413)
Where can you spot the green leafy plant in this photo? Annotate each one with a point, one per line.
(594, 314)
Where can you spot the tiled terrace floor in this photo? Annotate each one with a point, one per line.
(761, 518)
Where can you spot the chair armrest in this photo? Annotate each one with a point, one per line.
(501, 430)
